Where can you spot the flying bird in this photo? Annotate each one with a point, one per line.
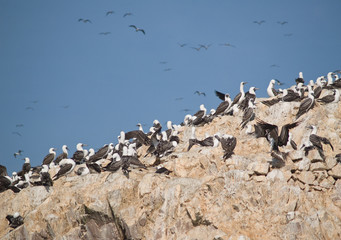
(288, 35)
(18, 153)
(274, 65)
(109, 12)
(259, 22)
(19, 125)
(282, 22)
(198, 49)
(35, 101)
(227, 45)
(137, 29)
(163, 62)
(179, 99)
(182, 44)
(204, 46)
(127, 14)
(17, 133)
(104, 33)
(84, 20)
(200, 93)
(167, 69)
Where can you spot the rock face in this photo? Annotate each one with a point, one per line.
(204, 197)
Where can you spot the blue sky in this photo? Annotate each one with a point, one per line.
(87, 87)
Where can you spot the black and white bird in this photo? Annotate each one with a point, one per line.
(109, 12)
(198, 117)
(200, 93)
(62, 156)
(49, 157)
(127, 14)
(306, 104)
(272, 92)
(259, 22)
(241, 95)
(66, 167)
(45, 177)
(7, 183)
(26, 169)
(271, 133)
(228, 143)
(315, 142)
(101, 153)
(300, 78)
(318, 88)
(332, 98)
(137, 29)
(80, 154)
(18, 153)
(248, 114)
(337, 82)
(15, 220)
(160, 169)
(84, 20)
(249, 95)
(224, 106)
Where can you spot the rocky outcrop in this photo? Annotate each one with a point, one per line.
(205, 197)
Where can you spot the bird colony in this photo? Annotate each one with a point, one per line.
(151, 151)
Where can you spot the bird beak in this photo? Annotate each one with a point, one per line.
(245, 82)
(256, 88)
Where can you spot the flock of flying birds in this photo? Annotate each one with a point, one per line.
(160, 143)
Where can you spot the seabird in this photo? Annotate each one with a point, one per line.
(82, 171)
(227, 45)
(84, 20)
(101, 153)
(161, 169)
(115, 164)
(109, 12)
(79, 154)
(271, 90)
(249, 114)
(198, 116)
(63, 155)
(318, 88)
(18, 153)
(228, 143)
(139, 135)
(329, 80)
(19, 125)
(332, 98)
(45, 177)
(15, 220)
(306, 104)
(182, 44)
(300, 78)
(282, 22)
(7, 183)
(198, 49)
(104, 33)
(3, 171)
(270, 132)
(249, 95)
(337, 82)
(49, 157)
(241, 95)
(66, 167)
(259, 22)
(200, 93)
(137, 29)
(205, 46)
(315, 141)
(223, 106)
(127, 14)
(26, 166)
(17, 133)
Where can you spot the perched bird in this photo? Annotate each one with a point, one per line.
(137, 29)
(228, 143)
(18, 153)
(332, 98)
(200, 93)
(198, 117)
(300, 78)
(249, 114)
(315, 142)
(45, 177)
(63, 155)
(79, 154)
(306, 104)
(223, 106)
(49, 157)
(66, 167)
(15, 220)
(271, 89)
(241, 95)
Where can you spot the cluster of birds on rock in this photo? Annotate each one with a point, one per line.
(160, 143)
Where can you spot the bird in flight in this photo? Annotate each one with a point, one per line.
(227, 45)
(18, 153)
(127, 14)
(19, 125)
(259, 22)
(104, 33)
(198, 49)
(167, 69)
(200, 93)
(282, 22)
(29, 108)
(137, 29)
(288, 35)
(84, 20)
(274, 65)
(182, 44)
(16, 133)
(35, 101)
(109, 12)
(204, 46)
(163, 62)
(66, 106)
(179, 99)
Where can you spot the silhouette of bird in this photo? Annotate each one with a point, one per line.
(17, 133)
(137, 29)
(200, 93)
(84, 20)
(198, 49)
(259, 22)
(163, 62)
(167, 69)
(282, 22)
(204, 46)
(19, 125)
(18, 153)
(274, 65)
(227, 45)
(104, 33)
(182, 44)
(127, 14)
(109, 12)
(29, 108)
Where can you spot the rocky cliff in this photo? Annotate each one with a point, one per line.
(204, 197)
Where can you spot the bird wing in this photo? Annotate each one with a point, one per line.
(327, 99)
(326, 141)
(236, 98)
(222, 107)
(3, 171)
(316, 141)
(135, 161)
(207, 142)
(284, 135)
(139, 135)
(48, 159)
(78, 155)
(305, 106)
(142, 31)
(133, 26)
(317, 91)
(220, 95)
(60, 157)
(63, 169)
